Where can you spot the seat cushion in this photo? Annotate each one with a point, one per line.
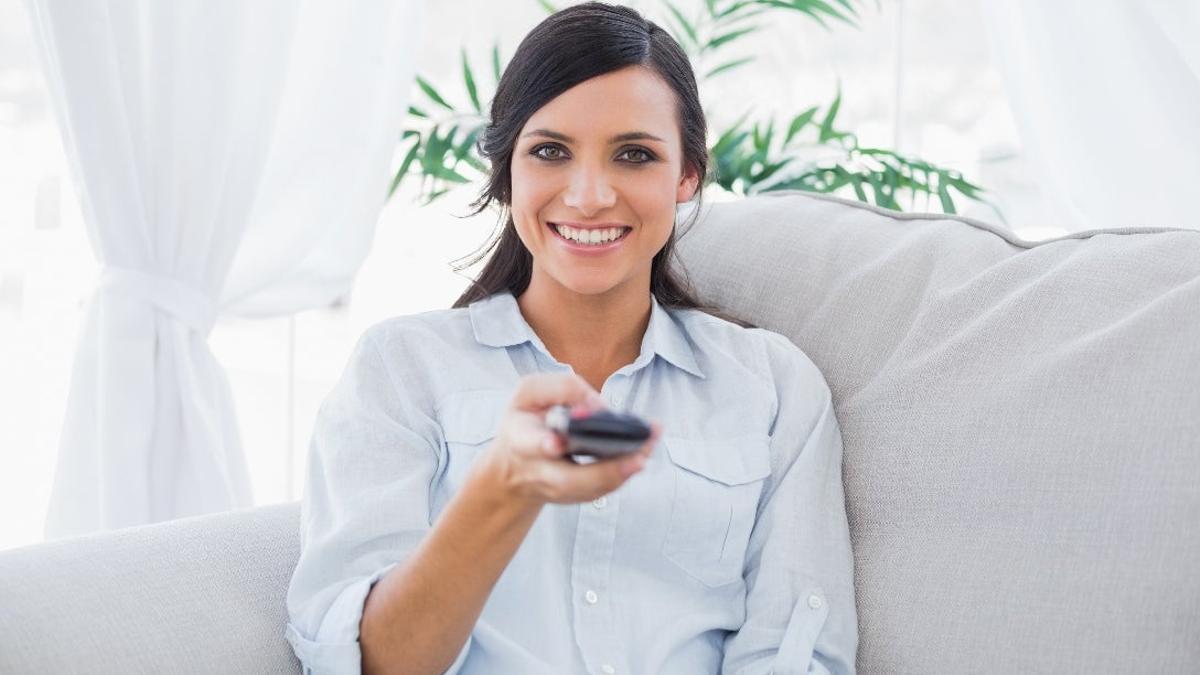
(195, 595)
(1021, 424)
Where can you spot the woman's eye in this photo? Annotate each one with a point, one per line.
(537, 152)
(647, 157)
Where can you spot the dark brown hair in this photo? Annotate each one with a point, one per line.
(570, 46)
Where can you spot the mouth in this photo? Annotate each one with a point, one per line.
(570, 238)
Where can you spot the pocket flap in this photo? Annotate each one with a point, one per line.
(472, 416)
(731, 461)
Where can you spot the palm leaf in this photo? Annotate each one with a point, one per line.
(469, 79)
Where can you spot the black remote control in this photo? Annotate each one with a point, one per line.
(599, 433)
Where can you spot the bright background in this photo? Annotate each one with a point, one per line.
(917, 77)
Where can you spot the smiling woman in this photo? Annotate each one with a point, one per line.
(447, 531)
(592, 182)
(596, 124)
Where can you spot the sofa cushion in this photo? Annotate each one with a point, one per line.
(196, 595)
(1021, 422)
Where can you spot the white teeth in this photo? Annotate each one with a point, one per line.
(590, 236)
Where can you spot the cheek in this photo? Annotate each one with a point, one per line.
(530, 192)
(653, 198)
(519, 181)
(653, 183)
(531, 173)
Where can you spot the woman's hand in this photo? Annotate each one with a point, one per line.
(530, 460)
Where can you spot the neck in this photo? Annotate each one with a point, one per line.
(594, 334)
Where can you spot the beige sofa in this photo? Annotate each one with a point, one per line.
(1022, 464)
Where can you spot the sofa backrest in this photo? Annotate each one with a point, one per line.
(194, 595)
(1021, 425)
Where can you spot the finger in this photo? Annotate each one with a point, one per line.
(588, 481)
(553, 446)
(592, 404)
(529, 436)
(538, 392)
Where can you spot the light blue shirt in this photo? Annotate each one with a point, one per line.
(729, 552)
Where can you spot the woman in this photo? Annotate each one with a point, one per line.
(444, 530)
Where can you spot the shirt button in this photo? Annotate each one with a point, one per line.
(814, 602)
(616, 400)
(600, 502)
(608, 670)
(591, 597)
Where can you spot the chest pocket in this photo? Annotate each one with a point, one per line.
(717, 484)
(469, 420)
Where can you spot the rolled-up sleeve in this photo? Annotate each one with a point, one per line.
(372, 460)
(800, 609)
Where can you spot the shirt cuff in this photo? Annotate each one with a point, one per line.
(795, 655)
(336, 650)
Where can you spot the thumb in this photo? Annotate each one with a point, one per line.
(536, 393)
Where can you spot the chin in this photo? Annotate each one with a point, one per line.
(589, 284)
(591, 287)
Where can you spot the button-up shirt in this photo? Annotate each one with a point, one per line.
(729, 552)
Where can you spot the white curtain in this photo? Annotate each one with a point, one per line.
(230, 157)
(1106, 97)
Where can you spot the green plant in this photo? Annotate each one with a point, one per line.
(749, 161)
(748, 158)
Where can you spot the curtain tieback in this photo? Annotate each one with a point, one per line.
(181, 300)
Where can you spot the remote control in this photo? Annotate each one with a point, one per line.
(599, 433)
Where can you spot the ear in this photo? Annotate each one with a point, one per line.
(687, 185)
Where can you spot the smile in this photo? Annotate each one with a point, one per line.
(590, 241)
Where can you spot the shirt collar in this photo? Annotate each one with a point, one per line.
(497, 322)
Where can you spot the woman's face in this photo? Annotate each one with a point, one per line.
(604, 154)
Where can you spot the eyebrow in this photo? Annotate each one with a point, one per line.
(627, 136)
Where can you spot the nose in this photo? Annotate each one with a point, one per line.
(589, 191)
